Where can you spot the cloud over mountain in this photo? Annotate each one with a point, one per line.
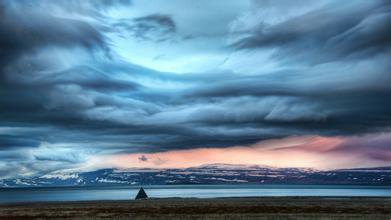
(86, 78)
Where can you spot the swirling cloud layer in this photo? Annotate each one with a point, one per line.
(87, 79)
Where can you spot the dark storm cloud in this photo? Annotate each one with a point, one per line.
(86, 77)
(64, 93)
(22, 88)
(23, 32)
(85, 7)
(13, 141)
(154, 27)
(143, 158)
(32, 100)
(333, 32)
(161, 20)
(33, 30)
(341, 85)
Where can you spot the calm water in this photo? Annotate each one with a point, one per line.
(199, 191)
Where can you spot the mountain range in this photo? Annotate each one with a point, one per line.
(207, 174)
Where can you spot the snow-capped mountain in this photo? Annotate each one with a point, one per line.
(224, 166)
(208, 174)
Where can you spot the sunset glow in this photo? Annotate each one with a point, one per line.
(306, 151)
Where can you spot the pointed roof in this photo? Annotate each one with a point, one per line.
(141, 194)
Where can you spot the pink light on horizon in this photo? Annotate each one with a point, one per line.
(298, 151)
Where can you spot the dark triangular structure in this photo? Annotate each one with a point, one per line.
(141, 194)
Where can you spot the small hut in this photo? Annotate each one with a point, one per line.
(141, 194)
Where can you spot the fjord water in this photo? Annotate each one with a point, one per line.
(20, 195)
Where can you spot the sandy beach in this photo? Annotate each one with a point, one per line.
(267, 208)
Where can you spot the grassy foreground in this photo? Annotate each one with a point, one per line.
(264, 208)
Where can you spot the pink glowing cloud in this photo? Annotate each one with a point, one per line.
(299, 151)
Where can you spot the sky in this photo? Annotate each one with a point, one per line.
(178, 83)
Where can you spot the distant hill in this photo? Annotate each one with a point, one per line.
(208, 174)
